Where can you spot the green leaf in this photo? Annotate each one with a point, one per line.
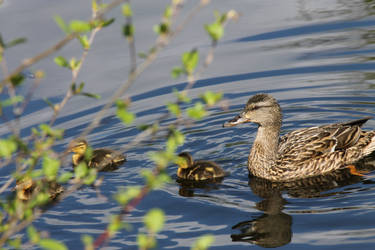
(203, 242)
(65, 177)
(181, 96)
(106, 23)
(33, 234)
(84, 42)
(50, 167)
(168, 12)
(124, 196)
(91, 95)
(197, 112)
(57, 133)
(16, 80)
(61, 61)
(94, 6)
(79, 26)
(7, 147)
(15, 42)
(61, 23)
(142, 55)
(88, 241)
(190, 61)
(122, 113)
(91, 177)
(128, 31)
(174, 109)
(210, 98)
(80, 170)
(175, 139)
(52, 244)
(176, 72)
(52, 106)
(114, 225)
(153, 181)
(74, 63)
(80, 87)
(215, 30)
(220, 18)
(88, 153)
(15, 243)
(41, 199)
(154, 127)
(161, 158)
(161, 29)
(36, 173)
(74, 88)
(11, 101)
(126, 10)
(145, 242)
(154, 220)
(2, 43)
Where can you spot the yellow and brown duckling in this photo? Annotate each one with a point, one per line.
(26, 187)
(199, 170)
(304, 152)
(103, 159)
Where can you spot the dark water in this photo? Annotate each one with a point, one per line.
(315, 57)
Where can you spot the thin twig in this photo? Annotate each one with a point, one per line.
(28, 62)
(131, 42)
(161, 43)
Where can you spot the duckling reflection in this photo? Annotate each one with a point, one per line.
(187, 188)
(274, 228)
(102, 158)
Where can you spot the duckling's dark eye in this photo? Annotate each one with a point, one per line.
(254, 108)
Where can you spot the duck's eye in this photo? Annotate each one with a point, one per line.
(254, 108)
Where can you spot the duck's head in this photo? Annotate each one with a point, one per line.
(186, 161)
(23, 187)
(78, 146)
(261, 109)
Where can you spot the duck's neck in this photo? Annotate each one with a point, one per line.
(264, 151)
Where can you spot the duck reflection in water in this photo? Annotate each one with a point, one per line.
(274, 227)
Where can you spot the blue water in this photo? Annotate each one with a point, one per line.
(315, 57)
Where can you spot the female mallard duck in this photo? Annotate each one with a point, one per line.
(198, 170)
(304, 152)
(103, 159)
(26, 187)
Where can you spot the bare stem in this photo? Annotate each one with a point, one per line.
(28, 62)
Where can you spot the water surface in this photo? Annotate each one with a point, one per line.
(315, 57)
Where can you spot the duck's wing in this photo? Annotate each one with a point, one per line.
(104, 158)
(310, 142)
(205, 170)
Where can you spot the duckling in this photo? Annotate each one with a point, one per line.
(198, 170)
(26, 187)
(103, 159)
(304, 152)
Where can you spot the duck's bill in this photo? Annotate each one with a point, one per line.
(235, 121)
